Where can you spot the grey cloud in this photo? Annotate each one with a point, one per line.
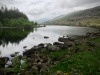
(75, 3)
(48, 9)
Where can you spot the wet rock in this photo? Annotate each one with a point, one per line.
(63, 36)
(16, 52)
(52, 48)
(61, 39)
(25, 47)
(3, 61)
(69, 44)
(46, 37)
(12, 55)
(72, 38)
(57, 43)
(41, 45)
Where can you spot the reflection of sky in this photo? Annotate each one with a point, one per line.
(52, 31)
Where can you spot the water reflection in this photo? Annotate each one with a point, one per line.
(15, 39)
(14, 36)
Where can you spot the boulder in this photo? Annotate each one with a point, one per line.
(62, 39)
(3, 61)
(12, 55)
(57, 43)
(72, 38)
(25, 47)
(52, 48)
(46, 37)
(41, 45)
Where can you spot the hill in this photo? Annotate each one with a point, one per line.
(84, 17)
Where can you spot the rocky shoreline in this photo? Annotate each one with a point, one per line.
(39, 59)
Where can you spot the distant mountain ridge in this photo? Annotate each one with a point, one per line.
(84, 17)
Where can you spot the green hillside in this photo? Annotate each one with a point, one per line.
(83, 17)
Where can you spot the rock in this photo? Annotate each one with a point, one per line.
(16, 52)
(91, 44)
(63, 36)
(25, 47)
(12, 55)
(52, 48)
(3, 61)
(72, 38)
(57, 43)
(16, 62)
(69, 44)
(41, 45)
(46, 37)
(61, 39)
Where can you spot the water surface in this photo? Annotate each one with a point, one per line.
(13, 40)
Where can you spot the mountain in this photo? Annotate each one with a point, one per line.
(84, 17)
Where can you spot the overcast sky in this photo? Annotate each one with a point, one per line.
(41, 10)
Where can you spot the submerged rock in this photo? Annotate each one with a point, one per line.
(12, 55)
(25, 47)
(46, 37)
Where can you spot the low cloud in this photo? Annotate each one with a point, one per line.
(41, 10)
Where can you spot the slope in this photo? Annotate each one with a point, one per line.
(84, 17)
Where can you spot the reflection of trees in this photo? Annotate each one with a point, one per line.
(35, 29)
(13, 35)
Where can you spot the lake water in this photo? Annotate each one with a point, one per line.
(13, 40)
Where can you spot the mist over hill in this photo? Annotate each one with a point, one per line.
(84, 17)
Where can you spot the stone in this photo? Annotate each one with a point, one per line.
(57, 43)
(46, 37)
(41, 45)
(3, 61)
(12, 55)
(25, 47)
(62, 39)
(52, 48)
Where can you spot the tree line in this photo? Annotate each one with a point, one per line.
(13, 17)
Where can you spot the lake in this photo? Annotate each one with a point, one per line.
(13, 40)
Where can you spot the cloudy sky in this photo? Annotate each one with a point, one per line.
(42, 10)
